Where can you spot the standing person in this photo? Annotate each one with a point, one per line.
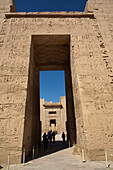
(63, 137)
(50, 137)
(45, 141)
(53, 134)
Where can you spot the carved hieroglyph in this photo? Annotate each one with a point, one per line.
(79, 43)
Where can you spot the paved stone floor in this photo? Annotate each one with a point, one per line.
(61, 160)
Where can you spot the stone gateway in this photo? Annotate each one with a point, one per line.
(81, 44)
(53, 116)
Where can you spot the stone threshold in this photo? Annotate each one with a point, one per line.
(50, 14)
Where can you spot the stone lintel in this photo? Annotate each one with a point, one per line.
(55, 105)
(50, 14)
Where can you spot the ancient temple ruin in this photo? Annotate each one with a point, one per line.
(53, 116)
(81, 44)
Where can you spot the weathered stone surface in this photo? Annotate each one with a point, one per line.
(59, 115)
(83, 43)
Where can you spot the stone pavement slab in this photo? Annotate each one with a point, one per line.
(61, 160)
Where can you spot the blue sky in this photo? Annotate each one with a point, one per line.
(52, 84)
(50, 5)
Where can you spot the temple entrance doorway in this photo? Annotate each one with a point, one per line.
(48, 53)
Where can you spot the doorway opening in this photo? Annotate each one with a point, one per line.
(48, 53)
(53, 102)
(52, 122)
(53, 115)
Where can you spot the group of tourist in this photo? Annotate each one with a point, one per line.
(51, 138)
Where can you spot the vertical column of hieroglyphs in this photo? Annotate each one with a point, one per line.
(92, 91)
(103, 27)
(103, 11)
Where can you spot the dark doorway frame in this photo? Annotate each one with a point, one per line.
(49, 52)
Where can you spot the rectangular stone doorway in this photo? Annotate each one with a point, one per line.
(48, 52)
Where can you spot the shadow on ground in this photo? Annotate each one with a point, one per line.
(52, 148)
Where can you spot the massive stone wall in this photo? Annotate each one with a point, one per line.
(103, 27)
(10, 122)
(103, 11)
(91, 70)
(6, 6)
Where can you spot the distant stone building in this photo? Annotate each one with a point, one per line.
(53, 116)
